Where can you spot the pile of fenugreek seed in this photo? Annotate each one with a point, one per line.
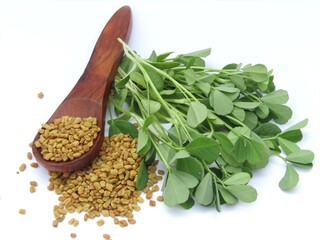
(107, 187)
(67, 137)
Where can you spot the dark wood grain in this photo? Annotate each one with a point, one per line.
(89, 96)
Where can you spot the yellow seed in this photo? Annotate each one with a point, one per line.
(123, 223)
(34, 183)
(34, 165)
(40, 95)
(131, 221)
(29, 155)
(73, 235)
(100, 222)
(22, 211)
(22, 167)
(160, 198)
(106, 236)
(32, 188)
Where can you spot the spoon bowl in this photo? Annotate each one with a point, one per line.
(89, 96)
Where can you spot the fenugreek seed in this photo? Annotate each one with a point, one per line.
(161, 172)
(34, 165)
(152, 203)
(75, 223)
(106, 236)
(22, 167)
(116, 220)
(160, 198)
(55, 223)
(73, 235)
(22, 211)
(123, 223)
(100, 222)
(71, 221)
(131, 221)
(34, 183)
(149, 195)
(32, 188)
(29, 155)
(40, 95)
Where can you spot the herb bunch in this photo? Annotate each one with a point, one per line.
(210, 127)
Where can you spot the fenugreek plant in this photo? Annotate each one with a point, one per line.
(210, 127)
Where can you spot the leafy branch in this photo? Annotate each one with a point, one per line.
(211, 128)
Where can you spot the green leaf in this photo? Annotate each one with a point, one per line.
(240, 150)
(144, 143)
(290, 179)
(192, 166)
(188, 204)
(224, 141)
(155, 77)
(150, 106)
(178, 155)
(239, 82)
(204, 148)
(256, 152)
(240, 178)
(150, 156)
(221, 104)
(175, 191)
(268, 129)
(280, 113)
(297, 126)
(262, 111)
(244, 193)
(142, 178)
(122, 126)
(227, 196)
(201, 53)
(301, 156)
(251, 120)
(204, 191)
(293, 136)
(204, 87)
(247, 105)
(190, 76)
(138, 78)
(189, 180)
(167, 152)
(258, 72)
(276, 97)
(197, 113)
(207, 78)
(288, 146)
(239, 113)
(165, 65)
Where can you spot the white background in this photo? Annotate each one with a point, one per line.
(45, 46)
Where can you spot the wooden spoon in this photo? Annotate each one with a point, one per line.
(89, 96)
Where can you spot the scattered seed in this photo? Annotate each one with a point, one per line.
(160, 198)
(22, 167)
(40, 95)
(34, 165)
(131, 221)
(29, 155)
(123, 223)
(33, 183)
(100, 222)
(152, 203)
(22, 211)
(73, 235)
(106, 236)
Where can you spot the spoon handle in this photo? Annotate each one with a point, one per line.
(97, 78)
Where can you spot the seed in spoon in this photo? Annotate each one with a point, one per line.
(67, 138)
